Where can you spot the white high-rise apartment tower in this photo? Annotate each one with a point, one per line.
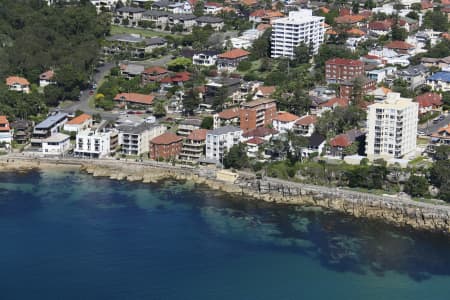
(391, 127)
(300, 26)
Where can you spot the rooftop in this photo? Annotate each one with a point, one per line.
(135, 98)
(11, 80)
(233, 54)
(79, 120)
(166, 138)
(51, 120)
(224, 130)
(198, 135)
(285, 117)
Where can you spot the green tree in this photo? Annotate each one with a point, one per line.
(261, 46)
(416, 186)
(302, 54)
(179, 64)
(442, 152)
(207, 122)
(236, 158)
(440, 177)
(159, 110)
(355, 7)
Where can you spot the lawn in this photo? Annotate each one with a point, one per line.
(115, 29)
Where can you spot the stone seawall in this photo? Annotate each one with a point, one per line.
(400, 212)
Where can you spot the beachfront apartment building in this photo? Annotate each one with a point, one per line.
(5, 132)
(257, 113)
(96, 142)
(135, 139)
(299, 27)
(391, 127)
(194, 146)
(56, 144)
(50, 126)
(220, 140)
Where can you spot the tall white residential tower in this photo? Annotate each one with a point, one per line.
(391, 127)
(300, 26)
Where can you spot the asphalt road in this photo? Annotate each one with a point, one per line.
(431, 127)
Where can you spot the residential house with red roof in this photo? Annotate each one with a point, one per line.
(81, 122)
(378, 28)
(441, 136)
(400, 47)
(5, 132)
(265, 133)
(212, 8)
(253, 146)
(428, 102)
(194, 146)
(47, 78)
(284, 121)
(351, 20)
(264, 91)
(166, 146)
(305, 126)
(18, 84)
(227, 117)
(153, 74)
(265, 16)
(346, 143)
(134, 99)
(229, 60)
(333, 103)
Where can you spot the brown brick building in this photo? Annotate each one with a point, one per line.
(346, 88)
(258, 113)
(168, 145)
(340, 70)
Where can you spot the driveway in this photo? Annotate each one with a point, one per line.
(431, 127)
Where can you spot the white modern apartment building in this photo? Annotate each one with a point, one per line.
(391, 127)
(300, 26)
(135, 139)
(220, 140)
(96, 142)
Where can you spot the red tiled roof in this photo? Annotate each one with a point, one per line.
(267, 90)
(260, 132)
(198, 135)
(155, 71)
(306, 120)
(230, 113)
(341, 140)
(384, 25)
(215, 4)
(4, 121)
(47, 75)
(441, 130)
(285, 117)
(249, 2)
(356, 32)
(324, 9)
(349, 19)
(233, 54)
(341, 102)
(255, 141)
(399, 45)
(11, 80)
(263, 27)
(429, 99)
(79, 120)
(166, 138)
(135, 98)
(344, 62)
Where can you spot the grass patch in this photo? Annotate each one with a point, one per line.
(422, 141)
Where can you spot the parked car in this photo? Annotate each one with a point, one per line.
(91, 92)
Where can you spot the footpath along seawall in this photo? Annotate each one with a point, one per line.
(398, 211)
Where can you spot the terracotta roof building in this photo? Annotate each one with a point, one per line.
(428, 102)
(153, 74)
(257, 113)
(305, 125)
(284, 121)
(230, 59)
(194, 146)
(400, 47)
(339, 70)
(227, 117)
(18, 84)
(166, 146)
(5, 131)
(78, 123)
(134, 98)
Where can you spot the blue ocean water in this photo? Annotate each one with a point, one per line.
(67, 235)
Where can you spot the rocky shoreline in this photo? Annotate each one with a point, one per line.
(399, 212)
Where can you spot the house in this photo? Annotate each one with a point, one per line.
(257, 113)
(227, 117)
(212, 8)
(439, 81)
(340, 145)
(264, 92)
(96, 142)
(215, 22)
(205, 58)
(316, 144)
(153, 74)
(379, 94)
(415, 76)
(130, 71)
(47, 78)
(264, 133)
(264, 16)
(186, 126)
(441, 136)
(165, 146)
(333, 103)
(220, 140)
(284, 121)
(56, 144)
(6, 135)
(305, 126)
(132, 44)
(185, 21)
(339, 70)
(229, 60)
(428, 102)
(179, 79)
(22, 130)
(78, 123)
(380, 75)
(194, 146)
(400, 47)
(129, 16)
(222, 86)
(134, 139)
(350, 20)
(18, 84)
(253, 146)
(378, 28)
(134, 99)
(50, 126)
(442, 63)
(158, 18)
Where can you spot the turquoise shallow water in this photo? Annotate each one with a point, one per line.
(67, 235)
